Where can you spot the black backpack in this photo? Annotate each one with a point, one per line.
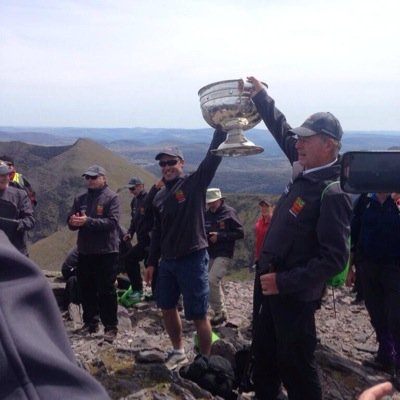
(214, 374)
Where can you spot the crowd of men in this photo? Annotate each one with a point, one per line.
(185, 237)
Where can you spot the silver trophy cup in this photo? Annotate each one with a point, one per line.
(227, 105)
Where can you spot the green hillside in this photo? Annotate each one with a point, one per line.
(55, 174)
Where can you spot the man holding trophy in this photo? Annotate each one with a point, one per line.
(307, 242)
(179, 239)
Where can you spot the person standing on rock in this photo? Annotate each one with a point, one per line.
(261, 228)
(375, 237)
(95, 215)
(179, 239)
(16, 213)
(223, 228)
(306, 243)
(141, 224)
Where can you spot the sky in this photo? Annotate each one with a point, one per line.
(140, 63)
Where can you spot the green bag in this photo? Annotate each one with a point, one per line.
(129, 298)
(339, 279)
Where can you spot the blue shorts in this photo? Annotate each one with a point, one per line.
(187, 276)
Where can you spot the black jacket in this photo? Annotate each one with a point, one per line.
(308, 238)
(226, 222)
(142, 216)
(36, 359)
(100, 233)
(179, 209)
(375, 228)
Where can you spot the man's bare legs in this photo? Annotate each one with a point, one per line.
(203, 329)
(173, 326)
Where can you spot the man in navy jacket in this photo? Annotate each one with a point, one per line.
(306, 243)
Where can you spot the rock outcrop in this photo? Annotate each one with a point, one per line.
(132, 368)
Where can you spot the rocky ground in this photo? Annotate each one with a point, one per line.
(131, 367)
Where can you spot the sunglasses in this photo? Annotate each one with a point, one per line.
(87, 177)
(170, 163)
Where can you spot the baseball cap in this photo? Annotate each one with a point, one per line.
(213, 194)
(170, 151)
(321, 122)
(4, 169)
(134, 181)
(95, 170)
(264, 202)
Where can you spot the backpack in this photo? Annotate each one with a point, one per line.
(339, 279)
(244, 367)
(214, 374)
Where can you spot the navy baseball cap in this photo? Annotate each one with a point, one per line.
(321, 122)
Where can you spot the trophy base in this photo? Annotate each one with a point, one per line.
(237, 149)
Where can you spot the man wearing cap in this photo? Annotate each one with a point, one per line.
(306, 243)
(223, 228)
(261, 228)
(141, 224)
(95, 214)
(16, 213)
(18, 180)
(179, 239)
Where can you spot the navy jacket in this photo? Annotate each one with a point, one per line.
(226, 222)
(179, 227)
(36, 359)
(375, 228)
(308, 238)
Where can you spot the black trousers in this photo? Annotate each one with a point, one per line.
(138, 253)
(96, 275)
(284, 342)
(381, 284)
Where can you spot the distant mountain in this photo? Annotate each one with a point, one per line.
(151, 136)
(267, 172)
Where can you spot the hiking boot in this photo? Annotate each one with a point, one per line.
(380, 363)
(110, 334)
(396, 379)
(218, 318)
(174, 359)
(88, 329)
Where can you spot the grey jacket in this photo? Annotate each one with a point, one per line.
(16, 206)
(36, 359)
(100, 233)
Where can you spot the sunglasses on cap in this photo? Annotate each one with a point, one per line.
(170, 163)
(87, 177)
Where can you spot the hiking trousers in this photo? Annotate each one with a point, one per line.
(284, 342)
(138, 253)
(218, 268)
(381, 284)
(96, 276)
